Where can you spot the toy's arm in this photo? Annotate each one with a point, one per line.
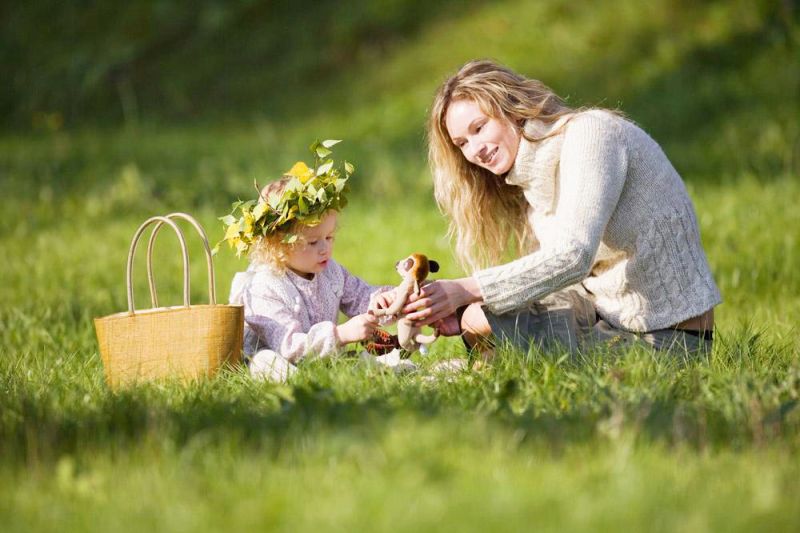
(411, 338)
(400, 297)
(422, 339)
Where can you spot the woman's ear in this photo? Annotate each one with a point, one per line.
(433, 266)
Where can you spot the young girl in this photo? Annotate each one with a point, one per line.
(293, 290)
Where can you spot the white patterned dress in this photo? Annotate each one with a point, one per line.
(293, 317)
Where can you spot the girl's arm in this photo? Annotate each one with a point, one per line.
(279, 328)
(356, 294)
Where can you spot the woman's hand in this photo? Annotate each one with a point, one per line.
(440, 299)
(449, 326)
(357, 328)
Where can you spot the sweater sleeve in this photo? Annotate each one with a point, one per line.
(356, 294)
(279, 327)
(592, 171)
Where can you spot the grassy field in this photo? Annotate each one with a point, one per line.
(609, 441)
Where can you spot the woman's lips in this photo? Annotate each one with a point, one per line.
(490, 158)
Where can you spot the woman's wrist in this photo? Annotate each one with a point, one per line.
(471, 289)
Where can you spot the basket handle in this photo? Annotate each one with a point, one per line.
(212, 291)
(132, 251)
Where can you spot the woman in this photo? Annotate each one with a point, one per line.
(605, 237)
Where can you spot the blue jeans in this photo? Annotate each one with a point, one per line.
(567, 320)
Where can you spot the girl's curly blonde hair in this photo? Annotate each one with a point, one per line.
(272, 249)
(484, 211)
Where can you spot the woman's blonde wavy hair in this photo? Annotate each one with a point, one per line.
(485, 214)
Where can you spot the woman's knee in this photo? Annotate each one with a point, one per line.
(474, 324)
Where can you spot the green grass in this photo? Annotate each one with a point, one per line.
(613, 440)
(608, 441)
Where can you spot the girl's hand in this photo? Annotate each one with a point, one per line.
(440, 299)
(382, 300)
(357, 328)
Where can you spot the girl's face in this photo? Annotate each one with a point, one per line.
(485, 141)
(312, 255)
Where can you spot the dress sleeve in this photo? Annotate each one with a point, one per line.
(593, 167)
(356, 294)
(279, 327)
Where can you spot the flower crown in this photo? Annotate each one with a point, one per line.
(309, 193)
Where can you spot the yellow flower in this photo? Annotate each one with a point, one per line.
(249, 222)
(260, 209)
(232, 232)
(241, 247)
(301, 171)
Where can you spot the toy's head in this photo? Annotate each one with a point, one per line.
(417, 266)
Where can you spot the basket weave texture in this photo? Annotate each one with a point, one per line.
(184, 342)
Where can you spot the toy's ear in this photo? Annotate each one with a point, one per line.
(433, 266)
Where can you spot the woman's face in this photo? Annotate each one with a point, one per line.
(485, 141)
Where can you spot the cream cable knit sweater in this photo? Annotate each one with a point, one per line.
(609, 211)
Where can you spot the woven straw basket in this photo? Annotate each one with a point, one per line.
(185, 342)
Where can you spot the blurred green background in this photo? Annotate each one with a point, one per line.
(113, 112)
(716, 82)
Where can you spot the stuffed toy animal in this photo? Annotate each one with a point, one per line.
(414, 270)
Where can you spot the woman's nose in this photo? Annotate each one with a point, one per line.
(472, 150)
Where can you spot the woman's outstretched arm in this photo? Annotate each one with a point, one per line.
(593, 169)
